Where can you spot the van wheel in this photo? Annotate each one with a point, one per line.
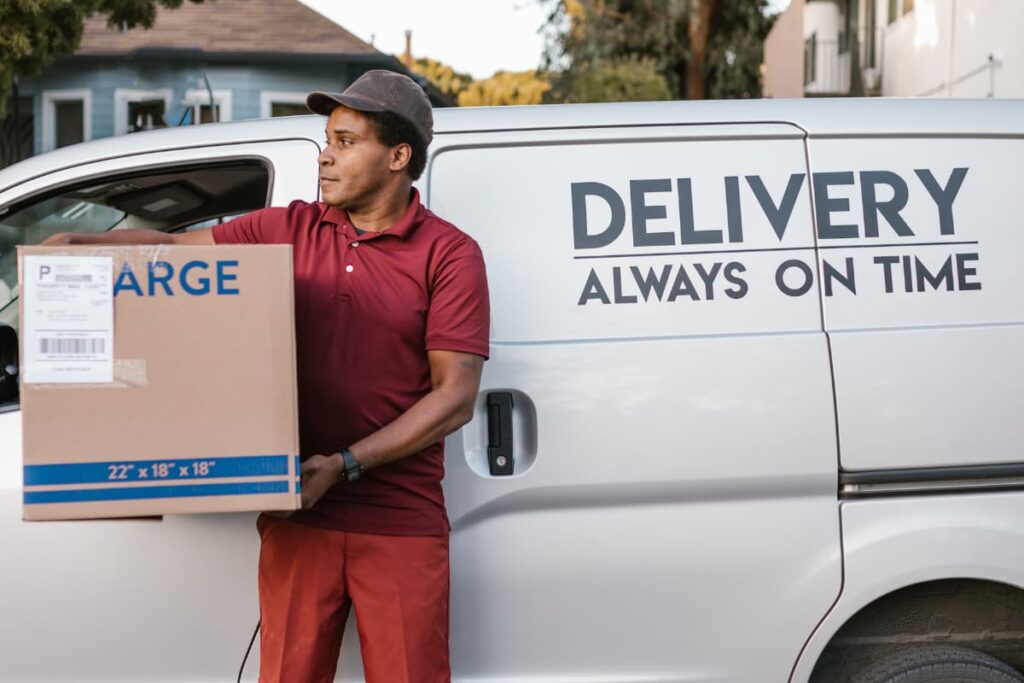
(938, 664)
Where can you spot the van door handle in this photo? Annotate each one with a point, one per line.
(499, 433)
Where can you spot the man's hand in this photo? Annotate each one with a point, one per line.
(320, 473)
(59, 239)
(449, 405)
(203, 236)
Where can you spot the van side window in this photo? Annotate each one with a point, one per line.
(168, 199)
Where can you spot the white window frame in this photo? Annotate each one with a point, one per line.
(50, 99)
(196, 97)
(122, 96)
(269, 97)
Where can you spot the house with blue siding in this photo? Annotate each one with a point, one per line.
(222, 60)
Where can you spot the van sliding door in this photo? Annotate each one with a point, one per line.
(659, 389)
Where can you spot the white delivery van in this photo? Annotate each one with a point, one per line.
(756, 373)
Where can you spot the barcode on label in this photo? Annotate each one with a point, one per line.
(77, 277)
(72, 346)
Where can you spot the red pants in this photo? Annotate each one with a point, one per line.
(310, 577)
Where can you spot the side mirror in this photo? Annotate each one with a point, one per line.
(8, 365)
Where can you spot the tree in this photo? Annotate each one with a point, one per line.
(446, 79)
(736, 50)
(506, 87)
(585, 34)
(699, 34)
(626, 79)
(35, 32)
(699, 47)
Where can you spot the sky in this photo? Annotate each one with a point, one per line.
(506, 36)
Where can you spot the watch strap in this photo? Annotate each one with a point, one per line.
(352, 467)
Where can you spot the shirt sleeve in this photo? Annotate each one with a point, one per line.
(459, 316)
(266, 226)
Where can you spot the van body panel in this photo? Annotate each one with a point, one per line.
(908, 117)
(819, 116)
(673, 512)
(922, 335)
(668, 445)
(10, 447)
(166, 599)
(889, 544)
(645, 540)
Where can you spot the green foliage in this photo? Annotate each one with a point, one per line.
(506, 87)
(736, 51)
(35, 32)
(586, 36)
(624, 79)
(446, 79)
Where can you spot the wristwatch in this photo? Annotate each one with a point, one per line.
(353, 470)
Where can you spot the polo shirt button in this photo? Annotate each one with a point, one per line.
(355, 244)
(349, 269)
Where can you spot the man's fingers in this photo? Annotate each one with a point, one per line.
(309, 499)
(315, 478)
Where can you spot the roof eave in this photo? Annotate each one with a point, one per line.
(196, 55)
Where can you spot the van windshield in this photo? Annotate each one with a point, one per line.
(34, 223)
(170, 199)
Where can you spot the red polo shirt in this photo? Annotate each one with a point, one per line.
(367, 309)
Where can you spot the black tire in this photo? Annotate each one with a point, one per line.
(938, 664)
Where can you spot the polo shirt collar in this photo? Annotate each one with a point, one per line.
(403, 229)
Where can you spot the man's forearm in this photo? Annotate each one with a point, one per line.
(449, 405)
(429, 420)
(120, 237)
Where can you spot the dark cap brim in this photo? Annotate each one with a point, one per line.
(324, 103)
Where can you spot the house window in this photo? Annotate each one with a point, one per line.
(810, 58)
(138, 110)
(70, 119)
(66, 118)
(198, 109)
(146, 115)
(287, 109)
(845, 20)
(278, 103)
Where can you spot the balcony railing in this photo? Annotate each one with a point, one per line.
(829, 65)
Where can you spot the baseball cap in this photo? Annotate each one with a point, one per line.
(381, 90)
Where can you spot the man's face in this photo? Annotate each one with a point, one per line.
(354, 164)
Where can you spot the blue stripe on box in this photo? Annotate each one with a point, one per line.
(143, 492)
(156, 470)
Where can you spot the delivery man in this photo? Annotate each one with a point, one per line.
(392, 323)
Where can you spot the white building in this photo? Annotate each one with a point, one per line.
(897, 48)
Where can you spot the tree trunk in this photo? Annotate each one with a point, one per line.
(699, 33)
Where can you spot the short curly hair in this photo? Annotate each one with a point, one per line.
(393, 130)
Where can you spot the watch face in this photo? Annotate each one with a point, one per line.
(352, 468)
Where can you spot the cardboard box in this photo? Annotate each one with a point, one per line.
(157, 380)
